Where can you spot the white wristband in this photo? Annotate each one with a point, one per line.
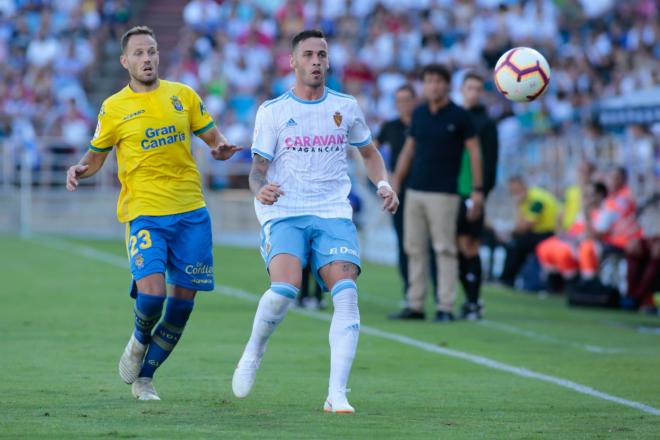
(384, 184)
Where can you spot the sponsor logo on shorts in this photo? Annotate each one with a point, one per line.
(199, 269)
(139, 261)
(343, 250)
(199, 281)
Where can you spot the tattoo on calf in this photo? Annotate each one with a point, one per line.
(348, 269)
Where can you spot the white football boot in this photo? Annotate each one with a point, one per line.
(244, 375)
(337, 403)
(130, 362)
(143, 389)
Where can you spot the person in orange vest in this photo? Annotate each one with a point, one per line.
(617, 225)
(575, 252)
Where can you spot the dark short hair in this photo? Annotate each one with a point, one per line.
(304, 35)
(136, 30)
(622, 172)
(406, 88)
(600, 189)
(436, 69)
(473, 75)
(517, 178)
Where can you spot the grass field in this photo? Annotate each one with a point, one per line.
(66, 315)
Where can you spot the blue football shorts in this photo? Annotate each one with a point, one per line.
(179, 245)
(313, 240)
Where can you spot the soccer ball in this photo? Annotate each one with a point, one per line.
(522, 74)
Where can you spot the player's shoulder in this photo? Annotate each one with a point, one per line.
(113, 103)
(177, 88)
(276, 102)
(333, 94)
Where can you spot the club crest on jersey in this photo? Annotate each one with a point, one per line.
(139, 261)
(338, 118)
(176, 102)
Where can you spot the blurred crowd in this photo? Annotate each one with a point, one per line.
(236, 54)
(49, 53)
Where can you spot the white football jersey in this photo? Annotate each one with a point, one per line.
(306, 142)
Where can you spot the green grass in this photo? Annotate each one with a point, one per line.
(64, 320)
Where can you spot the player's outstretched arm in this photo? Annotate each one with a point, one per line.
(221, 149)
(264, 191)
(378, 175)
(89, 164)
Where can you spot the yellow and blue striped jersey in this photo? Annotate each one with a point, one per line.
(152, 132)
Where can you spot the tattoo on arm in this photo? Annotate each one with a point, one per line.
(258, 173)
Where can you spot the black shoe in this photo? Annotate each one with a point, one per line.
(408, 314)
(441, 316)
(471, 311)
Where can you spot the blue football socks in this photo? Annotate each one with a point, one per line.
(167, 334)
(148, 309)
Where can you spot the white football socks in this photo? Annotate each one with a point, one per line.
(344, 334)
(272, 309)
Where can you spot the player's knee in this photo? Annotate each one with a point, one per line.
(179, 292)
(286, 269)
(153, 284)
(339, 270)
(276, 302)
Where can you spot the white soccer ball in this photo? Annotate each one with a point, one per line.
(522, 74)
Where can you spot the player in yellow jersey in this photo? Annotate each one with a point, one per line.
(150, 122)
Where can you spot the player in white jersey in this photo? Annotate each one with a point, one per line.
(300, 181)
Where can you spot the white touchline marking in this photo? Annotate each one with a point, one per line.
(508, 328)
(649, 330)
(541, 337)
(475, 359)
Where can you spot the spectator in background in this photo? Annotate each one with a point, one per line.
(617, 225)
(536, 220)
(574, 254)
(573, 196)
(392, 135)
(469, 230)
(643, 257)
(431, 157)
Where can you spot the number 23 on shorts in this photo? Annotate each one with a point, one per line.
(140, 240)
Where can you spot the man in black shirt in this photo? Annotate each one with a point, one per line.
(393, 134)
(469, 231)
(431, 159)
